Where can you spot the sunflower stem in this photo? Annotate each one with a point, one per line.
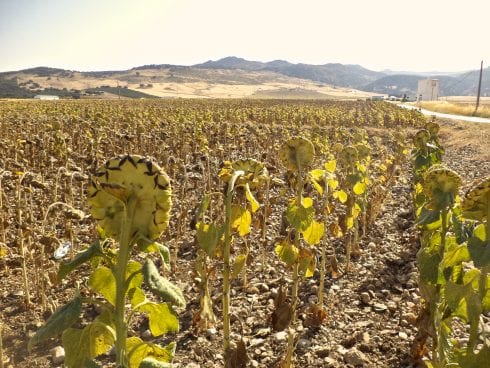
(226, 265)
(120, 276)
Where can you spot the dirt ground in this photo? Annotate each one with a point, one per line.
(371, 311)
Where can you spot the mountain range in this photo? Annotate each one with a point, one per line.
(237, 77)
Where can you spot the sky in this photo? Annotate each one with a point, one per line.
(89, 35)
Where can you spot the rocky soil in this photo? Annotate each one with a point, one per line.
(371, 310)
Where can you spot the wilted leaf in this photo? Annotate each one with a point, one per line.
(238, 265)
(161, 286)
(208, 236)
(66, 267)
(59, 321)
(251, 199)
(287, 252)
(307, 262)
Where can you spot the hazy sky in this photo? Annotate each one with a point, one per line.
(416, 35)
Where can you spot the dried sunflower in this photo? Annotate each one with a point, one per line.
(131, 178)
(476, 202)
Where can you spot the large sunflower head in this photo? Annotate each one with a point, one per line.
(135, 178)
(441, 185)
(421, 138)
(297, 152)
(477, 201)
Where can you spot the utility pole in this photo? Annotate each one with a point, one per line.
(479, 89)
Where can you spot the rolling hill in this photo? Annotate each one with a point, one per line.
(233, 77)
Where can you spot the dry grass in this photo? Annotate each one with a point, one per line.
(457, 108)
(201, 83)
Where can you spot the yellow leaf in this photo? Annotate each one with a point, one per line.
(356, 210)
(317, 174)
(253, 202)
(307, 262)
(238, 265)
(317, 186)
(333, 184)
(359, 188)
(241, 219)
(314, 233)
(349, 222)
(330, 166)
(307, 202)
(340, 195)
(287, 252)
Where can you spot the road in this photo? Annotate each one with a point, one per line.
(473, 119)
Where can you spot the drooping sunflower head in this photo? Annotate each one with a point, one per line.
(421, 138)
(255, 172)
(433, 128)
(477, 201)
(363, 150)
(297, 153)
(348, 156)
(441, 185)
(131, 178)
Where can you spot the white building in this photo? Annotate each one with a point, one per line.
(46, 97)
(428, 90)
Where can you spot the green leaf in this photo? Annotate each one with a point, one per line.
(208, 236)
(428, 262)
(59, 321)
(138, 350)
(314, 233)
(103, 282)
(430, 220)
(251, 199)
(472, 360)
(162, 319)
(479, 251)
(359, 188)
(340, 195)
(136, 296)
(299, 217)
(287, 252)
(456, 256)
(463, 301)
(161, 286)
(241, 219)
(81, 345)
(95, 250)
(238, 265)
(133, 270)
(155, 247)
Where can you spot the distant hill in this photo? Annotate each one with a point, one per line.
(342, 75)
(464, 84)
(235, 77)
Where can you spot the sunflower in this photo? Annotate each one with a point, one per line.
(131, 178)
